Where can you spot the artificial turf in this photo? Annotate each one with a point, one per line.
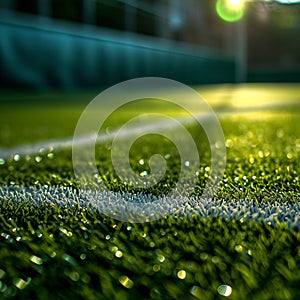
(51, 252)
(56, 253)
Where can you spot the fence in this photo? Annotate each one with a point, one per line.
(39, 53)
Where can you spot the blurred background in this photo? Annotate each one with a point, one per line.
(74, 44)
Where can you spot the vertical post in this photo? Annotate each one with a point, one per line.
(45, 8)
(241, 51)
(199, 15)
(131, 15)
(162, 21)
(88, 7)
(229, 35)
(175, 18)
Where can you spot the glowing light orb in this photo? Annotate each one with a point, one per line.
(230, 10)
(236, 3)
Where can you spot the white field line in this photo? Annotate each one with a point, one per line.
(288, 213)
(65, 143)
(243, 210)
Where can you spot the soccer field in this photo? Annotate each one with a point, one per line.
(243, 243)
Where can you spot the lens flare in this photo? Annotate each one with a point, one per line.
(236, 3)
(230, 10)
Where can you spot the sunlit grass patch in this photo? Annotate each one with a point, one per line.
(60, 251)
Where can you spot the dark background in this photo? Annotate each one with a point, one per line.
(269, 49)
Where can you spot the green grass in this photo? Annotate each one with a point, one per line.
(73, 253)
(262, 148)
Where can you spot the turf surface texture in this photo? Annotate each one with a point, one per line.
(242, 244)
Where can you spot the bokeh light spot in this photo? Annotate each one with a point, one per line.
(230, 10)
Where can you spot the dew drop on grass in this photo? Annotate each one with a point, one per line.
(160, 258)
(74, 276)
(196, 291)
(260, 154)
(126, 281)
(36, 260)
(107, 237)
(52, 254)
(118, 254)
(63, 230)
(238, 248)
(204, 256)
(141, 162)
(69, 259)
(181, 274)
(2, 161)
(38, 159)
(50, 155)
(82, 256)
(156, 268)
(215, 259)
(144, 173)
(168, 156)
(224, 290)
(17, 157)
(20, 283)
(228, 143)
(187, 163)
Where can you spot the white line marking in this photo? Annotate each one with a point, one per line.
(64, 143)
(288, 213)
